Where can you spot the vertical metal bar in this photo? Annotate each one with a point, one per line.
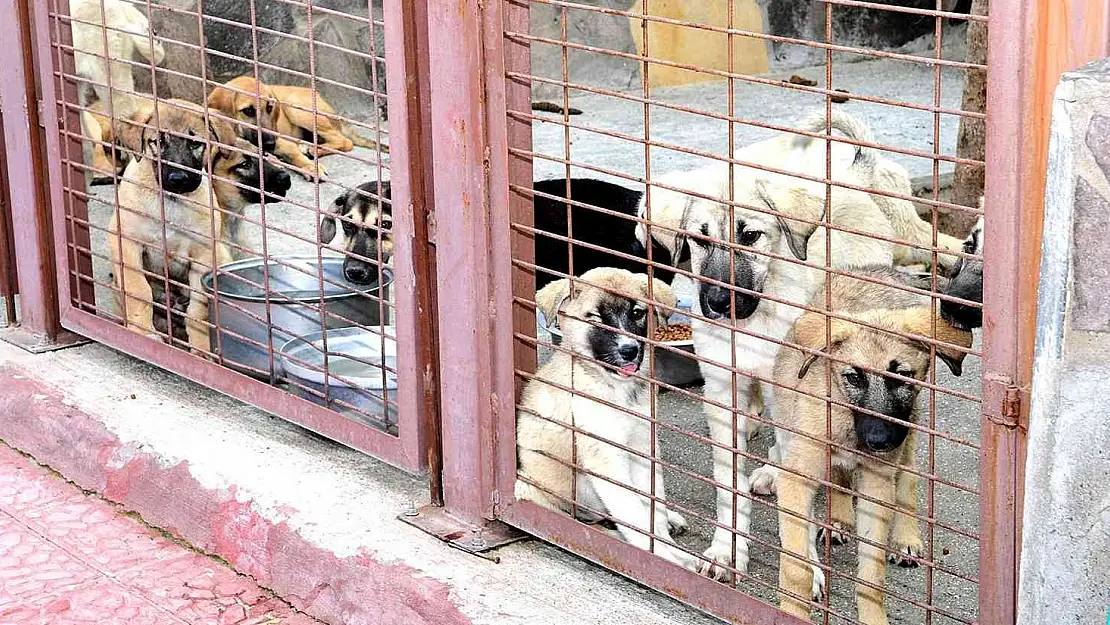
(407, 76)
(9, 285)
(510, 207)
(463, 258)
(1031, 42)
(31, 222)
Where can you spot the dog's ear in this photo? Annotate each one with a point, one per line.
(805, 205)
(327, 226)
(551, 299)
(810, 332)
(221, 130)
(949, 340)
(132, 132)
(662, 293)
(221, 100)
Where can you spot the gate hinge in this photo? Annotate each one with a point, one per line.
(1011, 408)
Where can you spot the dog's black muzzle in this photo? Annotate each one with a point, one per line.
(966, 284)
(359, 271)
(269, 141)
(718, 302)
(179, 181)
(878, 435)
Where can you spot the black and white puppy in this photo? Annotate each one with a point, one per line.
(592, 227)
(366, 215)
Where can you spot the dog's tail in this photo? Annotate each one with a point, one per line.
(551, 107)
(850, 126)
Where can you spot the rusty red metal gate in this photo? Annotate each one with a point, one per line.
(389, 425)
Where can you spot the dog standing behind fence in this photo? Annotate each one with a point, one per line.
(876, 373)
(167, 201)
(604, 322)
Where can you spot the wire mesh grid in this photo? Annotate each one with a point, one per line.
(229, 194)
(754, 353)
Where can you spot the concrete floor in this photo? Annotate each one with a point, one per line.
(892, 126)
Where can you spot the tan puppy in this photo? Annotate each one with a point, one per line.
(604, 322)
(872, 374)
(167, 178)
(284, 116)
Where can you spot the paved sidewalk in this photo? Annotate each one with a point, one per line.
(66, 557)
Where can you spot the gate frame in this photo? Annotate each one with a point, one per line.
(410, 450)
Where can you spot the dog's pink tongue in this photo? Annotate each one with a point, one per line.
(629, 369)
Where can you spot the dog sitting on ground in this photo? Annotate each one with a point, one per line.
(604, 322)
(165, 199)
(875, 386)
(741, 256)
(106, 30)
(593, 227)
(857, 165)
(284, 116)
(366, 215)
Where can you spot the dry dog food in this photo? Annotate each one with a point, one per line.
(673, 333)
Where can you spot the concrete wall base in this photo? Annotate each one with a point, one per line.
(311, 520)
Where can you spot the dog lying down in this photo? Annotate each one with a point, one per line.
(604, 322)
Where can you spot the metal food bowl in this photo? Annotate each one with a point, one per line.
(263, 305)
(356, 383)
(671, 367)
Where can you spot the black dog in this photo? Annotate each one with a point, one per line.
(592, 227)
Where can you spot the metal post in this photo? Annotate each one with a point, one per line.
(463, 255)
(1031, 43)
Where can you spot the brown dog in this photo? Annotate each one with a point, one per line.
(165, 211)
(284, 116)
(873, 378)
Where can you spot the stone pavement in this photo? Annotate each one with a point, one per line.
(67, 557)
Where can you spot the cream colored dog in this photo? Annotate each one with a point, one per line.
(604, 321)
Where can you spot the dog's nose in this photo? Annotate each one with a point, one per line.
(177, 181)
(357, 273)
(629, 351)
(719, 300)
(282, 181)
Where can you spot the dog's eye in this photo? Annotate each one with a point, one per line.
(249, 111)
(387, 224)
(638, 314)
(596, 318)
(269, 107)
(855, 378)
(749, 237)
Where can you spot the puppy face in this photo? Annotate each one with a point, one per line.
(237, 100)
(239, 173)
(966, 282)
(178, 141)
(887, 355)
(605, 317)
(737, 253)
(367, 224)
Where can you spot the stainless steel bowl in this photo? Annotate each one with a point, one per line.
(364, 390)
(258, 313)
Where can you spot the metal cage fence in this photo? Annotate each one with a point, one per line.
(174, 122)
(704, 192)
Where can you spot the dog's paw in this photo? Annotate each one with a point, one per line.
(762, 480)
(839, 534)
(906, 555)
(720, 558)
(818, 591)
(677, 523)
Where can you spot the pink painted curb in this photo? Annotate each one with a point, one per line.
(340, 591)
